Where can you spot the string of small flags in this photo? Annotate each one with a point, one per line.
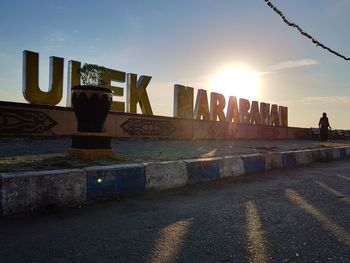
(305, 34)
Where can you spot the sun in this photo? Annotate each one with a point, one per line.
(237, 80)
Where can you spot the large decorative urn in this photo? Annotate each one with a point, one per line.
(91, 106)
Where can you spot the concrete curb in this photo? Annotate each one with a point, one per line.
(273, 161)
(254, 163)
(232, 166)
(289, 160)
(203, 170)
(106, 182)
(164, 175)
(30, 191)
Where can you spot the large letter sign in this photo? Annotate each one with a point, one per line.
(232, 110)
(183, 102)
(73, 79)
(201, 110)
(31, 90)
(217, 106)
(136, 93)
(254, 113)
(117, 76)
(237, 112)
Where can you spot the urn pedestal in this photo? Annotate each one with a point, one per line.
(90, 145)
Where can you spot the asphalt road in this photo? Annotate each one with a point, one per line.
(299, 215)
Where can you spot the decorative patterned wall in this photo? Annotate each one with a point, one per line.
(20, 119)
(23, 121)
(144, 127)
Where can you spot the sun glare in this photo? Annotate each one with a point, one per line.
(239, 81)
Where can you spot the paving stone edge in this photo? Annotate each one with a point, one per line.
(31, 191)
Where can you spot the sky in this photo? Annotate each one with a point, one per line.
(188, 42)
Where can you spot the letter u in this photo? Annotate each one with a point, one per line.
(30, 85)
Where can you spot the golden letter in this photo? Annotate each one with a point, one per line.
(254, 113)
(202, 108)
(264, 113)
(73, 79)
(30, 86)
(183, 102)
(274, 117)
(244, 106)
(232, 110)
(136, 93)
(217, 106)
(283, 111)
(110, 75)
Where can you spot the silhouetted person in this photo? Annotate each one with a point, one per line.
(324, 124)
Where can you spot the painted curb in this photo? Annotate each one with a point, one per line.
(164, 175)
(105, 182)
(336, 153)
(254, 163)
(342, 153)
(232, 166)
(318, 155)
(273, 161)
(29, 191)
(303, 157)
(347, 151)
(289, 160)
(203, 170)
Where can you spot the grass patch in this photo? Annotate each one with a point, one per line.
(53, 161)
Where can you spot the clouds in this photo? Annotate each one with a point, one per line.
(294, 64)
(58, 37)
(320, 100)
(289, 64)
(344, 100)
(56, 40)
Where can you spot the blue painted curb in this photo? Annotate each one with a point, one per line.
(113, 181)
(329, 153)
(202, 170)
(254, 163)
(343, 153)
(324, 154)
(289, 160)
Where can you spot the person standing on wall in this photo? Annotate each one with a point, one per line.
(323, 124)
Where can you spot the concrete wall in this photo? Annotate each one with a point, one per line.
(20, 119)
